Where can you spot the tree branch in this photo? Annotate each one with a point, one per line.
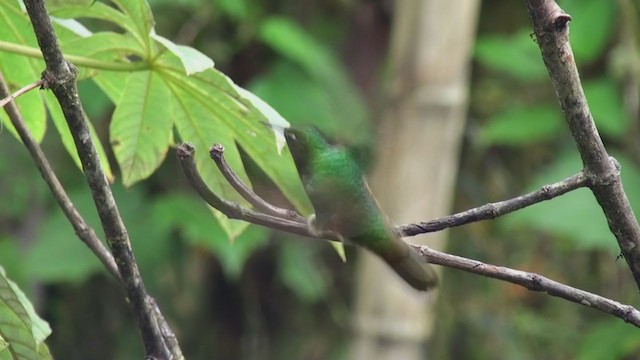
(533, 282)
(550, 24)
(82, 229)
(233, 210)
(494, 210)
(60, 77)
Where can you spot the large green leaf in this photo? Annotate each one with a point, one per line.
(142, 19)
(131, 15)
(67, 140)
(111, 44)
(141, 127)
(18, 29)
(192, 60)
(225, 111)
(208, 106)
(195, 125)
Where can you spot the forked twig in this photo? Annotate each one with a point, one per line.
(7, 98)
(217, 154)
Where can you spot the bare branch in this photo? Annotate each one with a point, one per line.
(493, 210)
(230, 209)
(9, 97)
(60, 77)
(82, 229)
(550, 24)
(217, 154)
(533, 282)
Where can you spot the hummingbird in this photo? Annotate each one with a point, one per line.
(345, 205)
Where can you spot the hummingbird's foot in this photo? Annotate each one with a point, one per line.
(318, 232)
(311, 223)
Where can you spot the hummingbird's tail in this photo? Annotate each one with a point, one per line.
(419, 275)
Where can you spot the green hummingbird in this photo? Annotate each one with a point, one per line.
(344, 205)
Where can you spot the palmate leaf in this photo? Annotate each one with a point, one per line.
(179, 87)
(20, 70)
(170, 85)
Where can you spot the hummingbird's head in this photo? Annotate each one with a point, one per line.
(304, 143)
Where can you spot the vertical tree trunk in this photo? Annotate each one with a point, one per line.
(418, 145)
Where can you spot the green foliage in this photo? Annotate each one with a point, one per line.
(170, 85)
(575, 216)
(140, 138)
(56, 240)
(605, 103)
(522, 125)
(591, 26)
(610, 339)
(516, 55)
(237, 9)
(22, 332)
(299, 272)
(18, 30)
(321, 81)
(189, 217)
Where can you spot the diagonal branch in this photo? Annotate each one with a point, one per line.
(494, 210)
(60, 77)
(533, 282)
(484, 212)
(551, 27)
(82, 229)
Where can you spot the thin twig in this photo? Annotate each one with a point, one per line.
(60, 77)
(233, 210)
(533, 282)
(82, 229)
(550, 24)
(493, 210)
(217, 154)
(15, 95)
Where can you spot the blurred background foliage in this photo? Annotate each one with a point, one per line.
(268, 295)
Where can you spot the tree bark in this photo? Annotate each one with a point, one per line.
(420, 133)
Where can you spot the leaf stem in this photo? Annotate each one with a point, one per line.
(81, 61)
